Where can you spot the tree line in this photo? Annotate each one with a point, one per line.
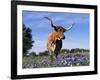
(63, 51)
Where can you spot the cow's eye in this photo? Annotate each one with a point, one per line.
(60, 29)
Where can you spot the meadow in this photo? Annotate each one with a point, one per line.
(63, 60)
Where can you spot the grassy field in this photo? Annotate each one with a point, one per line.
(63, 60)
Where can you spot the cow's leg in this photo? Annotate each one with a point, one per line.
(58, 47)
(51, 48)
(51, 56)
(53, 51)
(56, 53)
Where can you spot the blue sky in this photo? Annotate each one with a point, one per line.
(77, 37)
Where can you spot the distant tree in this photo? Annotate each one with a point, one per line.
(85, 50)
(27, 39)
(72, 51)
(33, 54)
(76, 50)
(65, 51)
(44, 53)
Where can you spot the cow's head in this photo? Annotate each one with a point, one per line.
(59, 29)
